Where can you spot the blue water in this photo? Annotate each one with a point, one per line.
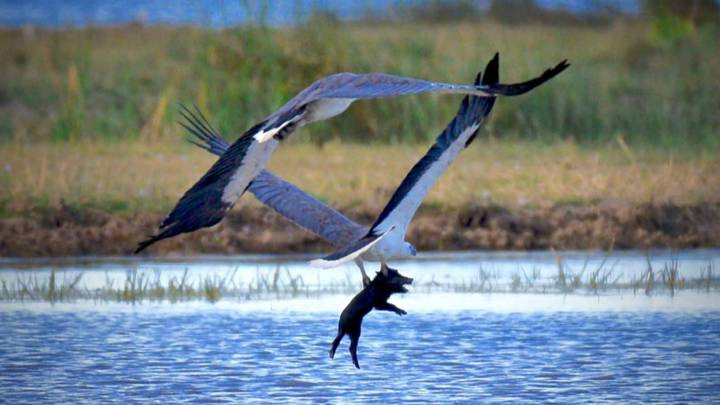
(501, 344)
(146, 354)
(57, 13)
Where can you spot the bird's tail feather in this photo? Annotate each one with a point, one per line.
(351, 252)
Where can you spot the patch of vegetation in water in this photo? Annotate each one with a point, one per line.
(280, 283)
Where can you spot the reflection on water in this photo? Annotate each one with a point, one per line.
(456, 344)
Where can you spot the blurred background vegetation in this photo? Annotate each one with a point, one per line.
(88, 114)
(648, 79)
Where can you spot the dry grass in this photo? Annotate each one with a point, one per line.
(150, 177)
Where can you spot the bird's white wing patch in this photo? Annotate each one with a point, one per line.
(325, 108)
(252, 164)
(264, 136)
(326, 263)
(405, 210)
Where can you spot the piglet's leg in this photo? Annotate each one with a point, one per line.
(354, 339)
(386, 306)
(335, 343)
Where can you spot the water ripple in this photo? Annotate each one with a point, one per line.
(50, 357)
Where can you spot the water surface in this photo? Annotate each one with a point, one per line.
(617, 345)
(58, 13)
(460, 356)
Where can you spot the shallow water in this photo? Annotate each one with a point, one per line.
(616, 346)
(449, 270)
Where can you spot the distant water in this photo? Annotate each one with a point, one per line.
(215, 13)
(213, 354)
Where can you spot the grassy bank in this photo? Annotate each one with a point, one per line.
(91, 155)
(123, 83)
(149, 178)
(99, 198)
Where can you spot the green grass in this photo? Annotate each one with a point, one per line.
(88, 116)
(124, 83)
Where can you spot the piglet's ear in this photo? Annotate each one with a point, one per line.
(384, 269)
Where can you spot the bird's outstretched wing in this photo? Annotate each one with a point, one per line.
(372, 85)
(332, 94)
(282, 196)
(305, 210)
(459, 133)
(207, 137)
(207, 202)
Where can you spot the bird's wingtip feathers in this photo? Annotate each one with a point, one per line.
(492, 71)
(144, 244)
(554, 71)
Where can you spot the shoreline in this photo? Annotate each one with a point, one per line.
(254, 229)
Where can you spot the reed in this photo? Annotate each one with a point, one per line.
(280, 283)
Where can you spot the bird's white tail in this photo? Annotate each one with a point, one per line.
(351, 252)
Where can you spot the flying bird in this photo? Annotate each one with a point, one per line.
(385, 239)
(209, 199)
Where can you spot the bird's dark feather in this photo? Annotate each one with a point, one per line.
(516, 89)
(202, 205)
(198, 125)
(282, 196)
(472, 110)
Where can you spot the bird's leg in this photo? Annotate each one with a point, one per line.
(361, 266)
